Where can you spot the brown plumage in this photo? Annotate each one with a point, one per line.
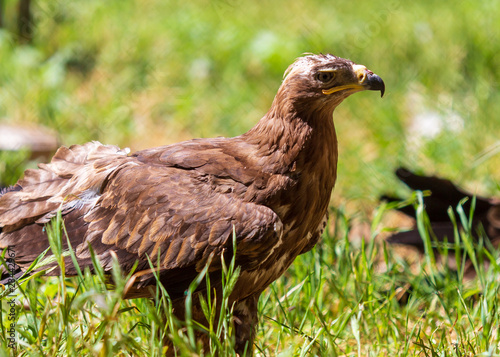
(272, 185)
(445, 194)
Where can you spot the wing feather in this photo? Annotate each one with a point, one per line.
(178, 203)
(179, 215)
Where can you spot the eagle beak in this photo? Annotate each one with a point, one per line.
(366, 80)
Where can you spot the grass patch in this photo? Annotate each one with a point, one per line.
(340, 299)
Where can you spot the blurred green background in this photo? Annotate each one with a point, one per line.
(146, 73)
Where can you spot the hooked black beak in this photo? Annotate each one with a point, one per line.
(374, 82)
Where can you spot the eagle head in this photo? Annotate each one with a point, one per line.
(326, 80)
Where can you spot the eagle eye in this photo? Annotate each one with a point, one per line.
(325, 76)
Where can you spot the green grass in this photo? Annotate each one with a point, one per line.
(338, 300)
(148, 73)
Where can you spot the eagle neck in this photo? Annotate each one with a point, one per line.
(289, 138)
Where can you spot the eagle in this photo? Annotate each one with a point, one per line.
(260, 198)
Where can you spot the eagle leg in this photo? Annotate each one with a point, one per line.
(245, 323)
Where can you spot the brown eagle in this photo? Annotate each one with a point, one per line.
(182, 202)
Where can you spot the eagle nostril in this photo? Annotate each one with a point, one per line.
(361, 77)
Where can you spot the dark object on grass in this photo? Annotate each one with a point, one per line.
(181, 202)
(443, 195)
(39, 141)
